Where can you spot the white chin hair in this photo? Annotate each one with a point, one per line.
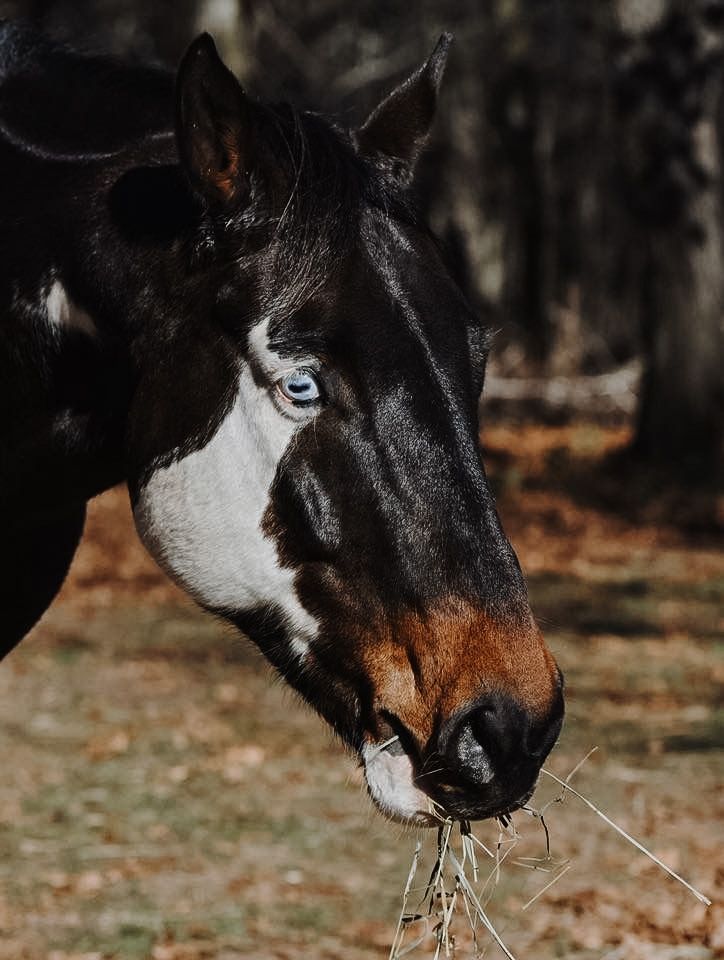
(390, 783)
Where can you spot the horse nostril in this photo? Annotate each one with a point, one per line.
(498, 728)
(488, 736)
(493, 752)
(497, 736)
(497, 741)
(480, 724)
(471, 756)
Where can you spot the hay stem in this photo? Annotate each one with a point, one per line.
(400, 931)
(470, 893)
(627, 836)
(548, 885)
(449, 893)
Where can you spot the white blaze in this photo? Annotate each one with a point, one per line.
(63, 314)
(201, 517)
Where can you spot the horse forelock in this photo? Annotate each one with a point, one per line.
(308, 212)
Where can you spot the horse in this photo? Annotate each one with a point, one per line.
(236, 308)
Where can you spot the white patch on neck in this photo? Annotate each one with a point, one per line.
(63, 314)
(201, 517)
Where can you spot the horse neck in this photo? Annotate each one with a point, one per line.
(76, 269)
(83, 289)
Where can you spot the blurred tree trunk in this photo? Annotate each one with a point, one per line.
(681, 414)
(545, 76)
(672, 160)
(526, 291)
(516, 66)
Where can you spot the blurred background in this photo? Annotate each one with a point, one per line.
(160, 797)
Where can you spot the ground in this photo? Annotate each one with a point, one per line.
(163, 797)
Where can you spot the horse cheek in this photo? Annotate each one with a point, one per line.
(202, 518)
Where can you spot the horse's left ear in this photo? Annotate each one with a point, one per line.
(398, 128)
(213, 124)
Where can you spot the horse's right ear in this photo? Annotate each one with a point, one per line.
(398, 128)
(213, 125)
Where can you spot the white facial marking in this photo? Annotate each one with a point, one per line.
(201, 517)
(66, 315)
(390, 781)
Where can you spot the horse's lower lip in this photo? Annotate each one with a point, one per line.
(395, 791)
(466, 808)
(391, 785)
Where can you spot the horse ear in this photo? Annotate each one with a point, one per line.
(213, 124)
(399, 127)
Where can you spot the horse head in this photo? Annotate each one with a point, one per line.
(304, 447)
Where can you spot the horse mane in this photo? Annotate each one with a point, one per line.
(49, 91)
(317, 219)
(310, 191)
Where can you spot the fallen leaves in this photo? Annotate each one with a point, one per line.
(106, 744)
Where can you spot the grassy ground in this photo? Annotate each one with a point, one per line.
(161, 797)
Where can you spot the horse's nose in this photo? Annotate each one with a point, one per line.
(495, 749)
(494, 734)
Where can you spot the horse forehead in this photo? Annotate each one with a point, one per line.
(413, 353)
(392, 304)
(404, 256)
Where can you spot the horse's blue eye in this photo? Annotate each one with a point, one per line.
(300, 387)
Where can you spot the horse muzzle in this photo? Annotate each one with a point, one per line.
(483, 762)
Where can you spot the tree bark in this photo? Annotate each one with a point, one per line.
(672, 179)
(681, 414)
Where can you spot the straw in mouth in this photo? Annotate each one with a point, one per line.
(460, 886)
